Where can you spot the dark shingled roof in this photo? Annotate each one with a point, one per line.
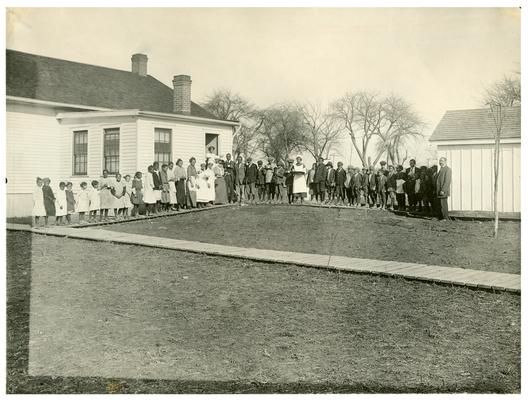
(476, 124)
(44, 78)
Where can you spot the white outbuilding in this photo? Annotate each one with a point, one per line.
(466, 139)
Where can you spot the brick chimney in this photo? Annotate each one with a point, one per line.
(139, 64)
(182, 94)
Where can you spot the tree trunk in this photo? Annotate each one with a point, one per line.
(496, 185)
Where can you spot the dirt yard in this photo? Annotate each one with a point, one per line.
(346, 232)
(128, 319)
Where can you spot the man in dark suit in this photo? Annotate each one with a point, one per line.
(251, 180)
(410, 183)
(442, 189)
(229, 175)
(240, 176)
(340, 179)
(320, 180)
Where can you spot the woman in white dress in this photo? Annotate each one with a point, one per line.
(210, 177)
(201, 187)
(299, 180)
(38, 202)
(149, 197)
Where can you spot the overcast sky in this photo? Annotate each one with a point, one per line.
(438, 59)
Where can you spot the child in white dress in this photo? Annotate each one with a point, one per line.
(38, 202)
(61, 205)
(95, 202)
(83, 202)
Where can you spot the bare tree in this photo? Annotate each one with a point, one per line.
(506, 92)
(399, 123)
(360, 114)
(228, 106)
(497, 115)
(321, 130)
(281, 131)
(231, 106)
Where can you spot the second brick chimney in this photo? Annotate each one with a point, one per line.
(182, 94)
(139, 64)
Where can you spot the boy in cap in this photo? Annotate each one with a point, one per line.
(330, 181)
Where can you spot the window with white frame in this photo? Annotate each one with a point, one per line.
(111, 150)
(162, 145)
(80, 152)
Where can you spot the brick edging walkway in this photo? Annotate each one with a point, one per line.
(431, 273)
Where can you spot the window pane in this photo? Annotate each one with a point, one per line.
(80, 151)
(162, 145)
(111, 150)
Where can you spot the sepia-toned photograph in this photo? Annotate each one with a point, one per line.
(263, 200)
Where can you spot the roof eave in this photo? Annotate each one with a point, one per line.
(183, 117)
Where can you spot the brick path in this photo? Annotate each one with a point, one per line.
(431, 273)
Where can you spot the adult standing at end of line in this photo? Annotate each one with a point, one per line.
(443, 186)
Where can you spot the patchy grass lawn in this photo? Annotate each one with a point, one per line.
(347, 232)
(111, 316)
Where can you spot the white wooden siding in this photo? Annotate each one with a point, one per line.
(472, 179)
(33, 143)
(188, 140)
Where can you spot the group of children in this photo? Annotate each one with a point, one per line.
(99, 198)
(387, 187)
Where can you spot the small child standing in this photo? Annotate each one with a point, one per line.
(61, 206)
(83, 202)
(38, 202)
(95, 202)
(70, 202)
(400, 192)
(128, 194)
(49, 199)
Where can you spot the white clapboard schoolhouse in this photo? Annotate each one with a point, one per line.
(68, 121)
(465, 138)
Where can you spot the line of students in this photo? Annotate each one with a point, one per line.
(217, 181)
(388, 188)
(170, 188)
